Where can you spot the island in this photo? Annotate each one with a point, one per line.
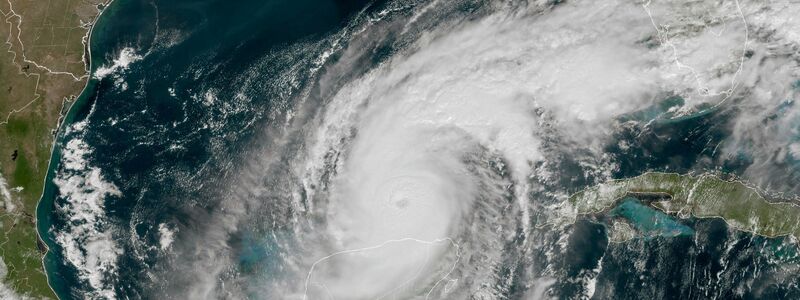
(743, 207)
(43, 68)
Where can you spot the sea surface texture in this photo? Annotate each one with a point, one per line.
(425, 150)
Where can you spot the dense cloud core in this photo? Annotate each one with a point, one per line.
(409, 178)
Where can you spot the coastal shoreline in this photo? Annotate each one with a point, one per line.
(680, 213)
(45, 203)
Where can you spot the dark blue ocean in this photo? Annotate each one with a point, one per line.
(187, 88)
(179, 117)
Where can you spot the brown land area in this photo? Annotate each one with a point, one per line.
(42, 69)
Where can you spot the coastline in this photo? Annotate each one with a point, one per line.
(44, 207)
(692, 213)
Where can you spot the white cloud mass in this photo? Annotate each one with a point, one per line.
(415, 173)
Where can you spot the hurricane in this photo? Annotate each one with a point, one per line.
(415, 177)
(414, 150)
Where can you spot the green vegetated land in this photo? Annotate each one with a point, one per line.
(42, 67)
(703, 196)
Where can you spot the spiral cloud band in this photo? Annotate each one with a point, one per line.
(421, 119)
(411, 178)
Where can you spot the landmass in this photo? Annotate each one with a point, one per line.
(43, 68)
(620, 232)
(705, 196)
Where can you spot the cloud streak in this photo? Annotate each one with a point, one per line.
(410, 177)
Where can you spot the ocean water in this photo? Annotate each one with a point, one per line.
(185, 170)
(203, 77)
(648, 221)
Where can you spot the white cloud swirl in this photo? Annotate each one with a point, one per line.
(419, 171)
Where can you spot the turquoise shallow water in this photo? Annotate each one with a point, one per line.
(139, 131)
(648, 221)
(171, 131)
